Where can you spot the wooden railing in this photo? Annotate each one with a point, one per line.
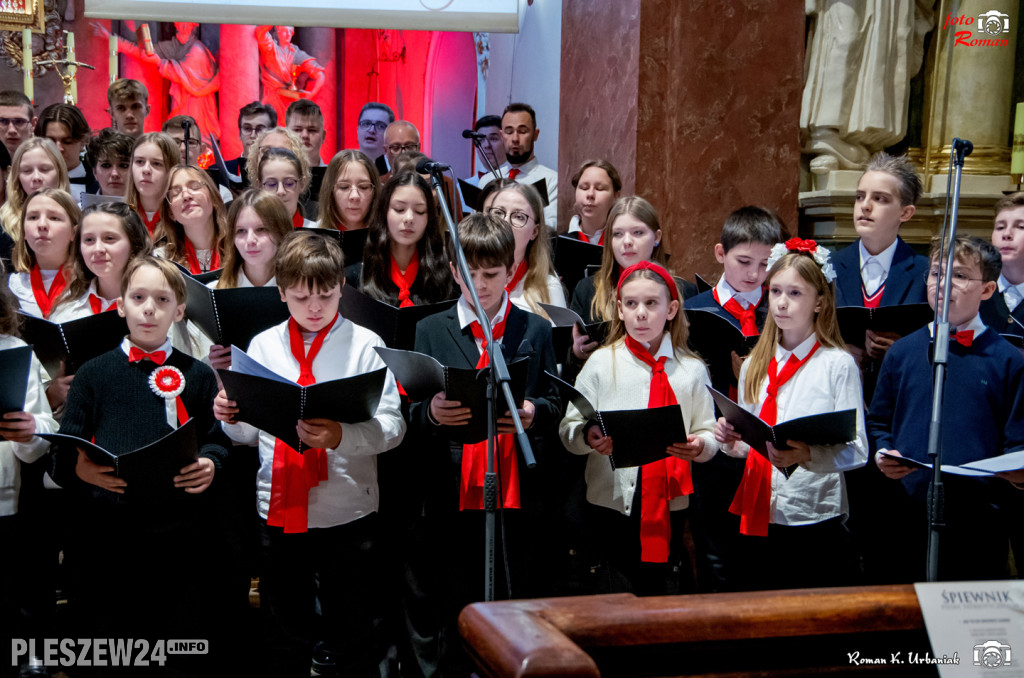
(806, 632)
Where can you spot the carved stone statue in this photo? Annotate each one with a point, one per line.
(282, 67)
(860, 59)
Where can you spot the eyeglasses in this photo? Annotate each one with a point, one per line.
(192, 143)
(960, 280)
(192, 186)
(17, 123)
(373, 124)
(250, 131)
(272, 184)
(517, 219)
(398, 148)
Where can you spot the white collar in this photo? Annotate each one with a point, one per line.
(1005, 284)
(467, 316)
(975, 325)
(884, 257)
(801, 351)
(665, 348)
(127, 344)
(523, 169)
(93, 289)
(727, 292)
(78, 172)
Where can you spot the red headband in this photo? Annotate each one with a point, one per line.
(649, 266)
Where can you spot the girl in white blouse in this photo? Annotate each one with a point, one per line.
(796, 497)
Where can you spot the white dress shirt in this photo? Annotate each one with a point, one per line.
(874, 268)
(556, 295)
(74, 309)
(828, 382)
(745, 299)
(1012, 294)
(21, 285)
(350, 491)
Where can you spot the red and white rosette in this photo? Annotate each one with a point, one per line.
(168, 383)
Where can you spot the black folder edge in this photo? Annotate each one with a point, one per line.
(71, 365)
(364, 310)
(15, 364)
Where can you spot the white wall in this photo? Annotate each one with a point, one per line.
(525, 67)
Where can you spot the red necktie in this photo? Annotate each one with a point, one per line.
(662, 480)
(294, 473)
(193, 260)
(150, 223)
(44, 299)
(517, 277)
(474, 456)
(136, 354)
(96, 304)
(963, 337)
(405, 280)
(747, 316)
(298, 220)
(753, 499)
(513, 173)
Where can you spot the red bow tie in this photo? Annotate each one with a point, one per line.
(963, 337)
(137, 354)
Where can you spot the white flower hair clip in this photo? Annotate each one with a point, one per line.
(817, 252)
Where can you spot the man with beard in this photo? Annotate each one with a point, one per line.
(518, 133)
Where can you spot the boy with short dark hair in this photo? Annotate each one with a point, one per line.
(455, 495)
(123, 400)
(743, 249)
(983, 416)
(1008, 238)
(128, 105)
(317, 509)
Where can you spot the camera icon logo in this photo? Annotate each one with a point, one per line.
(994, 22)
(992, 654)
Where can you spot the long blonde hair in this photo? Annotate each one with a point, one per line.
(168, 148)
(538, 252)
(10, 213)
(825, 324)
(602, 307)
(23, 258)
(171, 235)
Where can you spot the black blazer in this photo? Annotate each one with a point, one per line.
(905, 284)
(996, 315)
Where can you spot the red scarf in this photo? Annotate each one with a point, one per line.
(405, 280)
(753, 498)
(474, 456)
(150, 223)
(96, 304)
(746, 316)
(298, 220)
(873, 300)
(517, 277)
(662, 480)
(294, 473)
(45, 299)
(193, 261)
(580, 235)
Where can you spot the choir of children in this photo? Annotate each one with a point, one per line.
(357, 586)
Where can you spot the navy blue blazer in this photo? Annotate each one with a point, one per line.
(996, 315)
(906, 283)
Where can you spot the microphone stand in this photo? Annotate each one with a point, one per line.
(186, 126)
(498, 374)
(491, 168)
(936, 490)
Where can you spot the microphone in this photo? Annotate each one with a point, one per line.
(964, 144)
(470, 134)
(426, 165)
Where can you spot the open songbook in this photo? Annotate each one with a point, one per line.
(396, 326)
(423, 377)
(572, 259)
(854, 321)
(352, 242)
(274, 404)
(232, 317)
(561, 334)
(72, 342)
(1012, 461)
(639, 436)
(148, 471)
(15, 364)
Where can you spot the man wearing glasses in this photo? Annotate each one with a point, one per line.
(16, 119)
(400, 136)
(253, 118)
(373, 120)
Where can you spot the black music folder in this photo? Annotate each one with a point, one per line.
(658, 428)
(274, 404)
(396, 326)
(471, 194)
(702, 284)
(15, 364)
(827, 428)
(422, 377)
(572, 259)
(854, 321)
(204, 278)
(150, 470)
(233, 316)
(561, 333)
(73, 342)
(352, 242)
(714, 338)
(1011, 461)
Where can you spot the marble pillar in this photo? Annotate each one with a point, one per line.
(696, 103)
(970, 86)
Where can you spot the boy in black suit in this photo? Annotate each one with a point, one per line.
(456, 493)
(1008, 238)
